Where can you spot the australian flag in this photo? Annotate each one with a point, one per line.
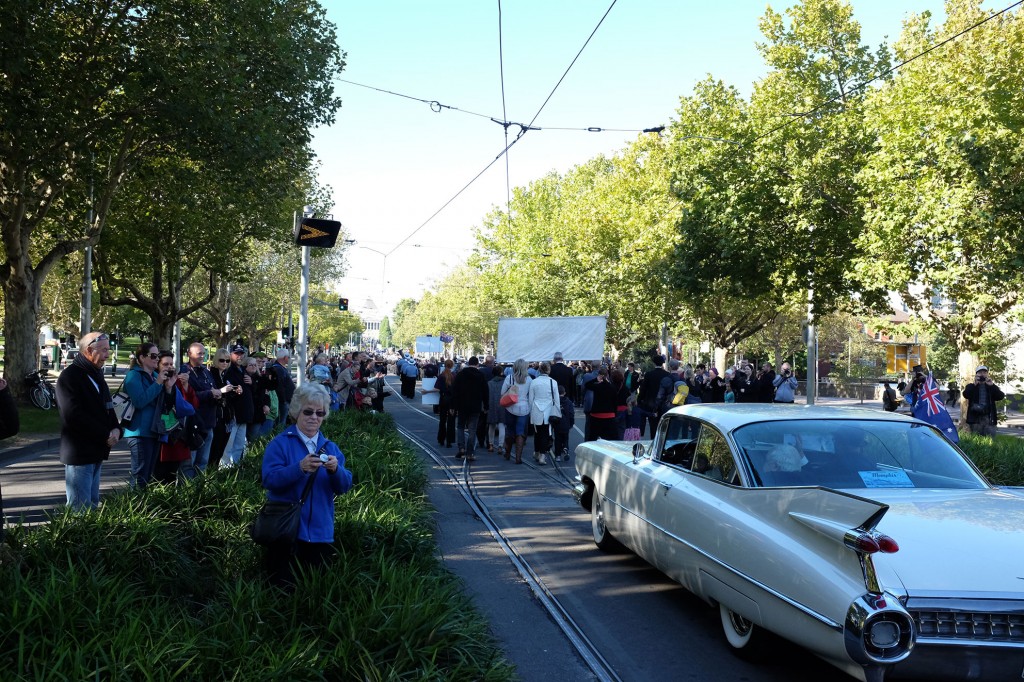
(929, 408)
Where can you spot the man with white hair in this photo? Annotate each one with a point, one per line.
(563, 374)
(285, 386)
(88, 426)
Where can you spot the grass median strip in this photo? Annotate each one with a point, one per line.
(166, 584)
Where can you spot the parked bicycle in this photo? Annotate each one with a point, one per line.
(41, 391)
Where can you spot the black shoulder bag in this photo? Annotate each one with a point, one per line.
(278, 522)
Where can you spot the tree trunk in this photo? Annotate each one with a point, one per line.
(163, 331)
(720, 359)
(21, 337)
(968, 363)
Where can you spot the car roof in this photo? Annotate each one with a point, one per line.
(729, 416)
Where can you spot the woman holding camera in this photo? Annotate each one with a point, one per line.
(148, 391)
(290, 460)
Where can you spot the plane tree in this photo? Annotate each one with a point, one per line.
(944, 189)
(90, 91)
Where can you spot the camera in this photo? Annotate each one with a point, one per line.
(169, 373)
(324, 457)
(786, 372)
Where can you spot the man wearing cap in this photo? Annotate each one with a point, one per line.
(410, 372)
(981, 397)
(240, 401)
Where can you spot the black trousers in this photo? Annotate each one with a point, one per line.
(409, 387)
(282, 563)
(542, 438)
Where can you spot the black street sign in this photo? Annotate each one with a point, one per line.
(317, 232)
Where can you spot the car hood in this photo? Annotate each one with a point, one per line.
(968, 542)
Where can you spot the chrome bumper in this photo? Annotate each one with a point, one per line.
(578, 490)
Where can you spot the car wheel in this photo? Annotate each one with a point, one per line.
(746, 639)
(602, 536)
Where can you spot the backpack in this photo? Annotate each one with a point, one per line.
(681, 393)
(275, 406)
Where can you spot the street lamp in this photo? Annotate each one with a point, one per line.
(307, 212)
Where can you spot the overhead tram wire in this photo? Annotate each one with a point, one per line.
(573, 62)
(504, 118)
(882, 74)
(437, 107)
(523, 130)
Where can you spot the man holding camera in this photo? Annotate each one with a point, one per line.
(981, 397)
(785, 385)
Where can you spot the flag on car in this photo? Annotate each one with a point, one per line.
(930, 408)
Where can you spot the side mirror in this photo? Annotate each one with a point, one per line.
(638, 452)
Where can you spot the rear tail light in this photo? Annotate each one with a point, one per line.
(870, 543)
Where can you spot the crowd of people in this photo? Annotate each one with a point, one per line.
(506, 404)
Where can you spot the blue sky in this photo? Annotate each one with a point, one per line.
(392, 162)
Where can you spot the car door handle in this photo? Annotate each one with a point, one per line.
(666, 487)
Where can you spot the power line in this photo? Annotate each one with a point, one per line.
(509, 145)
(438, 107)
(882, 74)
(435, 105)
(504, 116)
(587, 42)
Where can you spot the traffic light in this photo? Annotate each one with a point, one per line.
(342, 304)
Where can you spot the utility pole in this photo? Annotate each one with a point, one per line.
(85, 325)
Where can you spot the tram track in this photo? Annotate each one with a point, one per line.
(461, 478)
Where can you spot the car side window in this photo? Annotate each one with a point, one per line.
(713, 458)
(680, 442)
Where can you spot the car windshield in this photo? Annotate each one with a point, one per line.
(853, 454)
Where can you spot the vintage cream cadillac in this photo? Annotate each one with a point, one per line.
(862, 535)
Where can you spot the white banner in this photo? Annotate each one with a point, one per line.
(539, 338)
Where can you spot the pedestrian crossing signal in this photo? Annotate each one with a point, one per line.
(343, 304)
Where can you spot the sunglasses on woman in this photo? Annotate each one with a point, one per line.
(309, 413)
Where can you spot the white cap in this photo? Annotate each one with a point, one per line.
(981, 368)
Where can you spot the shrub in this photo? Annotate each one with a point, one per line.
(1001, 458)
(165, 584)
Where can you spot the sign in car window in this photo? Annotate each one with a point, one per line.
(889, 478)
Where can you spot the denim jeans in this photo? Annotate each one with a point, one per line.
(200, 458)
(145, 452)
(467, 421)
(235, 448)
(82, 482)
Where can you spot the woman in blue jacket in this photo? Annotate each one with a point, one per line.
(148, 391)
(298, 452)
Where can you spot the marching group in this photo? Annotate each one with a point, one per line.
(497, 407)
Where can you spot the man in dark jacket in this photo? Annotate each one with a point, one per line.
(652, 393)
(766, 384)
(201, 381)
(285, 386)
(563, 374)
(981, 397)
(88, 426)
(469, 398)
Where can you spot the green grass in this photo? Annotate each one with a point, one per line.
(1001, 458)
(166, 585)
(34, 420)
